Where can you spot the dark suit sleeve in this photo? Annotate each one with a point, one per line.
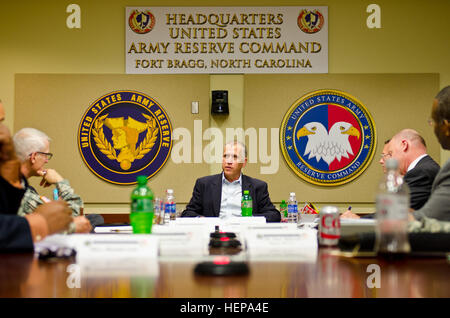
(15, 234)
(420, 188)
(264, 205)
(195, 207)
(438, 205)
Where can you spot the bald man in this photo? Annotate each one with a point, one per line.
(415, 165)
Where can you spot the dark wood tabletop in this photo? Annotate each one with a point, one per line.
(331, 275)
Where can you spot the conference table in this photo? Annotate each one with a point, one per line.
(23, 275)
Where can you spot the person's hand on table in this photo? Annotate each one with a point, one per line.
(82, 224)
(57, 214)
(349, 215)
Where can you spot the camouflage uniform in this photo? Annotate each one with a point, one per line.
(31, 200)
(429, 225)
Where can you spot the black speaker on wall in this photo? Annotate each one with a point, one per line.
(219, 103)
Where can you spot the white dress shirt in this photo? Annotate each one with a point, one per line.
(230, 204)
(414, 163)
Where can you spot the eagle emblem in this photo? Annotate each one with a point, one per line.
(326, 145)
(328, 137)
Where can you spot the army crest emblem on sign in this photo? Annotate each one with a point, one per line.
(141, 22)
(310, 21)
(124, 134)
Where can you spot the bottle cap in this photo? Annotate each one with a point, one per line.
(283, 201)
(391, 164)
(292, 194)
(141, 180)
(246, 192)
(169, 190)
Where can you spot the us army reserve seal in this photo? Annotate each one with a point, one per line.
(125, 134)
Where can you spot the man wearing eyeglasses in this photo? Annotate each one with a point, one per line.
(438, 205)
(415, 165)
(33, 150)
(19, 233)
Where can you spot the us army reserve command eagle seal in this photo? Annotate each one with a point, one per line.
(328, 137)
(125, 134)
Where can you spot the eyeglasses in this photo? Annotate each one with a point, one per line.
(433, 122)
(386, 155)
(48, 155)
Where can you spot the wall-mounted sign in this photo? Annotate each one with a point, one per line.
(328, 137)
(226, 40)
(125, 134)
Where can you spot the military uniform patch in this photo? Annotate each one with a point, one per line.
(328, 137)
(125, 134)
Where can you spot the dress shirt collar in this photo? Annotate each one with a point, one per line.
(224, 180)
(415, 162)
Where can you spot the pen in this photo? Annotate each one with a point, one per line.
(55, 194)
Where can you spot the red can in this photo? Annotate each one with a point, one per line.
(329, 226)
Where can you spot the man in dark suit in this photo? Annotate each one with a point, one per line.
(438, 205)
(220, 195)
(415, 165)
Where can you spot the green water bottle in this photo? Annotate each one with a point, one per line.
(283, 211)
(246, 204)
(141, 216)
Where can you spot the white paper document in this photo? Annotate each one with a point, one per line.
(359, 221)
(114, 229)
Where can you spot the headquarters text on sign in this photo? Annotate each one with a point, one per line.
(226, 40)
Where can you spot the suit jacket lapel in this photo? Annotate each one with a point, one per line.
(217, 194)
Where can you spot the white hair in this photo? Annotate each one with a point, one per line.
(236, 142)
(29, 140)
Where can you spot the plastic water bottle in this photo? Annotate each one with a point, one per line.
(292, 207)
(158, 206)
(283, 211)
(392, 205)
(170, 207)
(246, 204)
(141, 216)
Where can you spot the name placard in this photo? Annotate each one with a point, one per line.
(276, 244)
(115, 246)
(182, 240)
(226, 39)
